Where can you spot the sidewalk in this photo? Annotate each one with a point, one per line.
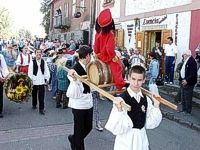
(192, 121)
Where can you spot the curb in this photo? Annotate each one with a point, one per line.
(188, 124)
(173, 95)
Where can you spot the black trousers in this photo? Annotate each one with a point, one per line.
(38, 93)
(1, 97)
(186, 97)
(61, 96)
(82, 126)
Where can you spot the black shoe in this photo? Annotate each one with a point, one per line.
(70, 138)
(1, 115)
(58, 106)
(42, 112)
(34, 107)
(65, 107)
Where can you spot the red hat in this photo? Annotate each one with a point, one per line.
(105, 18)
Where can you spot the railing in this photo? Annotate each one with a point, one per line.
(61, 22)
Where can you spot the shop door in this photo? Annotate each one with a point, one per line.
(165, 35)
(140, 41)
(119, 38)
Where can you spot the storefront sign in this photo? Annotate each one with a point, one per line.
(156, 27)
(154, 21)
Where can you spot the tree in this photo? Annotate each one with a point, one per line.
(45, 9)
(24, 33)
(5, 23)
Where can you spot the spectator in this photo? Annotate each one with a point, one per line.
(158, 50)
(136, 58)
(63, 83)
(170, 60)
(153, 68)
(72, 46)
(188, 79)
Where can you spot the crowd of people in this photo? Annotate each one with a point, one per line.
(43, 61)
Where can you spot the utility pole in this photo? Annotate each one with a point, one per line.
(92, 19)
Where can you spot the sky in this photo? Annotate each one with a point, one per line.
(25, 14)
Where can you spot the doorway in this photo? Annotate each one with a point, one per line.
(146, 40)
(151, 38)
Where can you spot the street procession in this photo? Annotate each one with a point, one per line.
(99, 75)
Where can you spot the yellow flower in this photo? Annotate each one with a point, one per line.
(10, 95)
(25, 88)
(19, 90)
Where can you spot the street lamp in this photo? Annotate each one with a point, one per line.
(78, 13)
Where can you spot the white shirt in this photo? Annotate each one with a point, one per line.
(77, 99)
(132, 138)
(3, 67)
(170, 50)
(183, 68)
(137, 96)
(39, 79)
(25, 60)
(137, 59)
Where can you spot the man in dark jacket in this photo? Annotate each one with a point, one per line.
(188, 79)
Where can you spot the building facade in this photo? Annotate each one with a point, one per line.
(142, 23)
(70, 19)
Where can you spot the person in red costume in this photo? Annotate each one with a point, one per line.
(104, 46)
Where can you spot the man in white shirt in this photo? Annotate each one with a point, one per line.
(137, 58)
(80, 100)
(38, 71)
(23, 61)
(170, 60)
(3, 73)
(188, 79)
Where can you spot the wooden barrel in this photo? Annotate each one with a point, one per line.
(99, 73)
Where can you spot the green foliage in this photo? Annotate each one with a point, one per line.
(45, 9)
(23, 33)
(5, 23)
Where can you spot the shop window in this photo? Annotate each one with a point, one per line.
(82, 4)
(58, 17)
(66, 10)
(119, 38)
(73, 7)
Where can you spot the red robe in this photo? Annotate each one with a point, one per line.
(104, 48)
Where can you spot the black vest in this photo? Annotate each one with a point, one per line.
(136, 114)
(35, 67)
(80, 71)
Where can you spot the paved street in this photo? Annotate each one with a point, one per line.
(24, 129)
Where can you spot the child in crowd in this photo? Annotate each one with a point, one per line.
(130, 127)
(154, 66)
(63, 83)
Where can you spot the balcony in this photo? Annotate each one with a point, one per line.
(61, 22)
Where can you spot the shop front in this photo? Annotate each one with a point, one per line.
(159, 28)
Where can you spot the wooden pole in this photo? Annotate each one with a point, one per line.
(160, 99)
(102, 92)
